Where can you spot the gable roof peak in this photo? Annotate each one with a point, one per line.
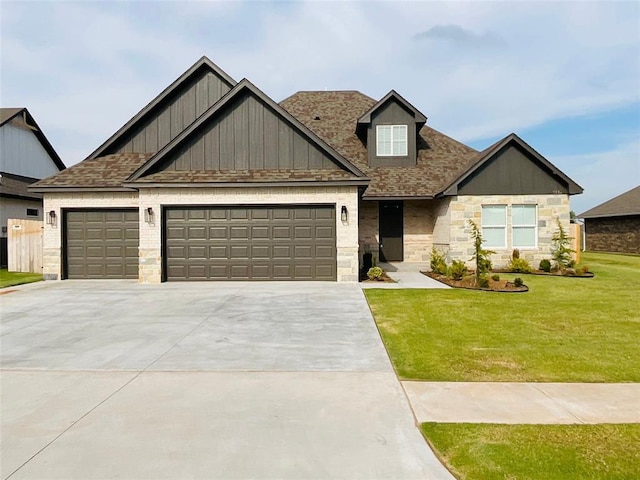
(420, 118)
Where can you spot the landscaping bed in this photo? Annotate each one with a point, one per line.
(469, 282)
(383, 278)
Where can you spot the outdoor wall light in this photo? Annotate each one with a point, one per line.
(344, 214)
(51, 218)
(148, 215)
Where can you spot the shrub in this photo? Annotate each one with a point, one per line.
(481, 255)
(495, 277)
(438, 263)
(545, 265)
(457, 270)
(375, 273)
(515, 254)
(483, 281)
(584, 269)
(560, 249)
(519, 265)
(518, 282)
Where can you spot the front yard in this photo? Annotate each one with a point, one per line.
(562, 330)
(8, 279)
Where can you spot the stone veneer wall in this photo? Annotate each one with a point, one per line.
(368, 238)
(52, 237)
(150, 269)
(613, 234)
(463, 208)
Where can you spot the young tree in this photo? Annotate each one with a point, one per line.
(481, 255)
(561, 252)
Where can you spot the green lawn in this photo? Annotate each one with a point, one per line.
(562, 330)
(8, 279)
(537, 452)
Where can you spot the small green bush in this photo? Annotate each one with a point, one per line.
(495, 277)
(483, 281)
(519, 265)
(518, 282)
(375, 273)
(545, 265)
(457, 270)
(438, 263)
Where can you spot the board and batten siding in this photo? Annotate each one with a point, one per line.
(21, 153)
(392, 114)
(511, 172)
(249, 135)
(174, 115)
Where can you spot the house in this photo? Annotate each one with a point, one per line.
(213, 180)
(614, 226)
(25, 157)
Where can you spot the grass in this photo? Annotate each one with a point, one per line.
(531, 452)
(562, 330)
(9, 279)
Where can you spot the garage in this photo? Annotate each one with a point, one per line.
(250, 243)
(101, 243)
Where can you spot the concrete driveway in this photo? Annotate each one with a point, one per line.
(105, 379)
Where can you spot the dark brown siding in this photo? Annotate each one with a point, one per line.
(613, 234)
(392, 114)
(250, 243)
(174, 115)
(248, 135)
(101, 243)
(511, 172)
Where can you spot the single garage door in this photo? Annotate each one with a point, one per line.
(101, 243)
(250, 243)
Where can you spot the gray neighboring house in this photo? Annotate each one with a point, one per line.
(213, 180)
(26, 156)
(614, 226)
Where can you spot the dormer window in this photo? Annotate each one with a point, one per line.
(392, 141)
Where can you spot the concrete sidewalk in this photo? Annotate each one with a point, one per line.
(406, 275)
(513, 403)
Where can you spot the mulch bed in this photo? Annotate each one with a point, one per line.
(468, 282)
(549, 274)
(383, 279)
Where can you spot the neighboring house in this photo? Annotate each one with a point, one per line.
(614, 226)
(213, 180)
(25, 157)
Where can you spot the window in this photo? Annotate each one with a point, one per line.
(32, 212)
(523, 224)
(391, 141)
(494, 225)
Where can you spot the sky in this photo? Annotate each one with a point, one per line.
(564, 76)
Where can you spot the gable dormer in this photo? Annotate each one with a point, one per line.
(390, 131)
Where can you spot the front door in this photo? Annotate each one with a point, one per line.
(390, 226)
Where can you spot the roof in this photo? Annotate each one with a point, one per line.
(627, 203)
(102, 172)
(16, 186)
(420, 118)
(8, 114)
(488, 153)
(333, 116)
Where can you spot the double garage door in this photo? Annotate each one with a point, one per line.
(250, 243)
(207, 243)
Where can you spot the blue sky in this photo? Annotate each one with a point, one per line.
(565, 76)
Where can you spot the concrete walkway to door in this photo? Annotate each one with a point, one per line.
(105, 379)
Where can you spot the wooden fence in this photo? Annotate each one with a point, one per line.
(576, 241)
(24, 245)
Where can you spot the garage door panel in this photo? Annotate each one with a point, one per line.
(250, 243)
(101, 243)
(324, 232)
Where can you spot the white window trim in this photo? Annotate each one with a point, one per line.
(504, 227)
(534, 225)
(392, 154)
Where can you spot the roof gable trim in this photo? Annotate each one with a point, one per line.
(243, 85)
(419, 117)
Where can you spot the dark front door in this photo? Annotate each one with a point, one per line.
(390, 226)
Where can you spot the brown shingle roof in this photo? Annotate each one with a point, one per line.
(7, 114)
(107, 171)
(333, 116)
(240, 176)
(16, 186)
(627, 203)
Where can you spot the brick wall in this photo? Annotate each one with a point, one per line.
(150, 248)
(613, 234)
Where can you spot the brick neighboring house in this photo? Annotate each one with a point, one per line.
(614, 226)
(25, 157)
(213, 180)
